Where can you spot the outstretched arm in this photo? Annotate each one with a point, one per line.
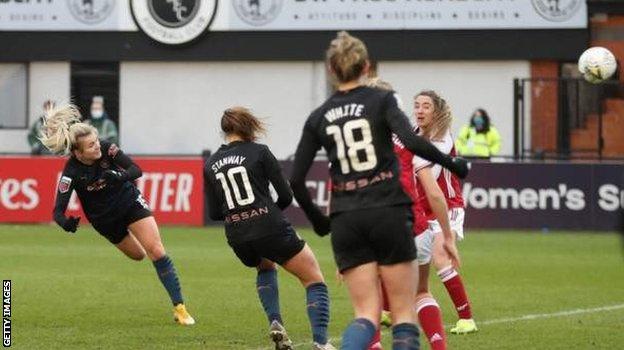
(306, 151)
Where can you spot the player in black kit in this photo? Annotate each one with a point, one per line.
(237, 179)
(102, 176)
(371, 223)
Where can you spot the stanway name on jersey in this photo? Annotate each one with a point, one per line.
(231, 160)
(350, 110)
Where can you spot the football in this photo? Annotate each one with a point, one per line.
(597, 64)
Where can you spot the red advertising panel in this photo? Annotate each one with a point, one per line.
(173, 187)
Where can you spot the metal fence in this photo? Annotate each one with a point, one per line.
(549, 113)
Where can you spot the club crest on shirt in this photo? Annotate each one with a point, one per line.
(104, 164)
(97, 185)
(64, 184)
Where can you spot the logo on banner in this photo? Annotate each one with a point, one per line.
(91, 11)
(173, 21)
(257, 12)
(557, 10)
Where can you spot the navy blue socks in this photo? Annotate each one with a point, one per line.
(358, 335)
(318, 311)
(169, 278)
(266, 284)
(405, 337)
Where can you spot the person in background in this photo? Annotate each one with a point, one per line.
(480, 138)
(107, 130)
(36, 147)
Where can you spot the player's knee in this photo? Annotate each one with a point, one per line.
(439, 259)
(311, 278)
(156, 251)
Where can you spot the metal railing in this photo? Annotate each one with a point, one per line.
(548, 111)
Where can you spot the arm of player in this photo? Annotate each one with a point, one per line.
(399, 124)
(64, 191)
(436, 200)
(275, 176)
(445, 146)
(127, 169)
(304, 156)
(214, 202)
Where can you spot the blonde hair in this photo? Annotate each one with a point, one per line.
(442, 117)
(62, 129)
(378, 83)
(347, 57)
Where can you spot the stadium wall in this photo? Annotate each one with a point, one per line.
(180, 113)
(46, 80)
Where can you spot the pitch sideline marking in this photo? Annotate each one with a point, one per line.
(554, 314)
(516, 319)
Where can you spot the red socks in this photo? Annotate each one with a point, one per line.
(430, 319)
(455, 287)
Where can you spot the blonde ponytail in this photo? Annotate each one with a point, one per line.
(62, 129)
(347, 57)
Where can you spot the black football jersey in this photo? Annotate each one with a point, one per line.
(237, 179)
(355, 128)
(101, 201)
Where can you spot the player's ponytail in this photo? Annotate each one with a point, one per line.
(347, 57)
(442, 117)
(240, 121)
(378, 83)
(62, 129)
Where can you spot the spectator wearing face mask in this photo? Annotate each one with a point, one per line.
(480, 138)
(107, 130)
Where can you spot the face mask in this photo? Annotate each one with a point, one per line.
(97, 113)
(478, 122)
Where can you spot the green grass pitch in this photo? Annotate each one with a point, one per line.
(77, 291)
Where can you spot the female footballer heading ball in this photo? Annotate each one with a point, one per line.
(102, 176)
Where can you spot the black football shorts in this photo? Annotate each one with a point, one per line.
(278, 248)
(115, 230)
(381, 234)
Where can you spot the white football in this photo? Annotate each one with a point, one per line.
(597, 64)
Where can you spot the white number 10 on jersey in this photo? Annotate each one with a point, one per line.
(352, 146)
(241, 200)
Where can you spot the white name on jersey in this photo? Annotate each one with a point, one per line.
(350, 110)
(231, 160)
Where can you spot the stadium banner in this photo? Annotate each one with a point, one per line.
(158, 17)
(172, 187)
(521, 195)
